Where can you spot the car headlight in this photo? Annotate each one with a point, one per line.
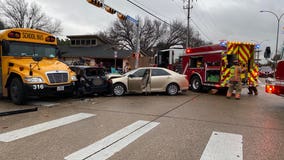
(74, 78)
(34, 80)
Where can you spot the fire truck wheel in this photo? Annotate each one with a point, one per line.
(16, 91)
(119, 89)
(195, 84)
(172, 89)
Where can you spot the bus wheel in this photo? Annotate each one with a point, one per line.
(195, 84)
(16, 91)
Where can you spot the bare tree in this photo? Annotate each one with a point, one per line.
(20, 14)
(153, 34)
(2, 26)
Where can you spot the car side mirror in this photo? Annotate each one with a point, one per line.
(131, 76)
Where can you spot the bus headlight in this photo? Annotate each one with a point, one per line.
(74, 78)
(34, 80)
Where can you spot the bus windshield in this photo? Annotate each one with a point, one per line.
(19, 49)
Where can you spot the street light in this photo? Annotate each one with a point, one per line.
(278, 21)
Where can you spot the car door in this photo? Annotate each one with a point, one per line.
(159, 80)
(135, 81)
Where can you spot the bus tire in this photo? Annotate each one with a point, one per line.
(195, 84)
(16, 91)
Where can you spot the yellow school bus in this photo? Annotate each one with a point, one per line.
(29, 65)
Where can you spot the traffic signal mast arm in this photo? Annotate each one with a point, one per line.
(107, 8)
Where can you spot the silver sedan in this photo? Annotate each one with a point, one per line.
(150, 79)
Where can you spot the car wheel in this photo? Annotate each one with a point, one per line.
(119, 89)
(195, 84)
(16, 91)
(172, 89)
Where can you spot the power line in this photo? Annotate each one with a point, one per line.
(148, 12)
(149, 9)
(201, 30)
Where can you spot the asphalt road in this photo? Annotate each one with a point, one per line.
(190, 126)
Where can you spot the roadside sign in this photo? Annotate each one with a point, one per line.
(131, 19)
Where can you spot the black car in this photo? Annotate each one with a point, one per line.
(91, 80)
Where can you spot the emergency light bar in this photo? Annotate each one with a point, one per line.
(224, 43)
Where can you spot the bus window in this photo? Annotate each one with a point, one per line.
(31, 49)
(5, 47)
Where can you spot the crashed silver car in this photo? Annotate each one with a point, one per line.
(150, 79)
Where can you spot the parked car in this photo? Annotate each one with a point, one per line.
(266, 71)
(150, 79)
(91, 80)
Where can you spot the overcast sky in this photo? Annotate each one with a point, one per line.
(236, 20)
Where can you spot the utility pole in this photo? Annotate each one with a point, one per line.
(188, 7)
(137, 54)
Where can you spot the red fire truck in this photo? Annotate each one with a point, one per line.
(208, 66)
(276, 85)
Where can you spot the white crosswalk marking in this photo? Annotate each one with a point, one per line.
(113, 143)
(24, 132)
(223, 146)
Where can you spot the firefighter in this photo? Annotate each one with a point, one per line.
(252, 89)
(235, 80)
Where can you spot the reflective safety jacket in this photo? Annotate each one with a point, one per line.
(235, 73)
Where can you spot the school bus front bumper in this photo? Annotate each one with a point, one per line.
(49, 90)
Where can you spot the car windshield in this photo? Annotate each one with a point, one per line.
(266, 69)
(95, 72)
(19, 49)
(130, 72)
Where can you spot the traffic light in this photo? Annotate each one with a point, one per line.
(96, 3)
(110, 10)
(121, 16)
(267, 52)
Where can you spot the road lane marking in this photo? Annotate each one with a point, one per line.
(113, 143)
(24, 132)
(223, 146)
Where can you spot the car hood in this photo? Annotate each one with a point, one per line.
(113, 75)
